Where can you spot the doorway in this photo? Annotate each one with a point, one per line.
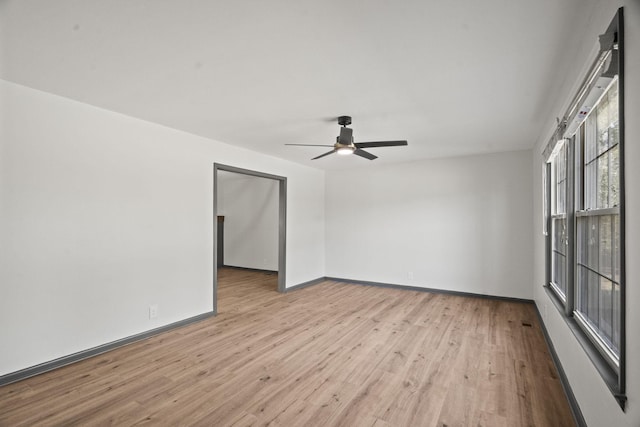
(282, 224)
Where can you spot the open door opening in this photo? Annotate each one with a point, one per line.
(253, 235)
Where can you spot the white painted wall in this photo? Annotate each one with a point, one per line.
(250, 207)
(102, 215)
(461, 224)
(596, 402)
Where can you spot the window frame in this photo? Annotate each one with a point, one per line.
(583, 210)
(611, 368)
(564, 150)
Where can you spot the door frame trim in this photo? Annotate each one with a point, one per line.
(282, 224)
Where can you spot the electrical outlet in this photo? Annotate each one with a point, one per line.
(410, 275)
(153, 311)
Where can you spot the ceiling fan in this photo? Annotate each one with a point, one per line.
(345, 145)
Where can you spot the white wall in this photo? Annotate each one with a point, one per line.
(250, 207)
(102, 215)
(461, 224)
(596, 402)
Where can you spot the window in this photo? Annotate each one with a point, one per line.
(597, 305)
(584, 201)
(559, 237)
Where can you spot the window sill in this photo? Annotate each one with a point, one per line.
(608, 374)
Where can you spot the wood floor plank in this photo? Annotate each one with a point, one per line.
(328, 355)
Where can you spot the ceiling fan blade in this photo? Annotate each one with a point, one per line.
(346, 136)
(311, 145)
(364, 154)
(325, 154)
(380, 144)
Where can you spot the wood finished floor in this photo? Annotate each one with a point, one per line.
(333, 354)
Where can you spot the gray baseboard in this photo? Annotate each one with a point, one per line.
(432, 290)
(568, 391)
(306, 284)
(85, 354)
(406, 287)
(257, 270)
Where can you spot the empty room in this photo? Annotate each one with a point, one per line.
(319, 213)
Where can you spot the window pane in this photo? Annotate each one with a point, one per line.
(587, 249)
(581, 246)
(598, 275)
(590, 138)
(616, 248)
(558, 256)
(616, 317)
(562, 278)
(589, 185)
(592, 243)
(598, 297)
(614, 128)
(598, 301)
(545, 199)
(606, 309)
(603, 181)
(614, 176)
(602, 120)
(559, 164)
(562, 235)
(560, 271)
(583, 296)
(593, 298)
(605, 267)
(560, 199)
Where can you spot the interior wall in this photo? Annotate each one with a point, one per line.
(596, 402)
(250, 207)
(460, 224)
(103, 215)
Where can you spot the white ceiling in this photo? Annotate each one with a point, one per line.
(451, 77)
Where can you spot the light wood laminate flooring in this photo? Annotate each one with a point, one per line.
(333, 354)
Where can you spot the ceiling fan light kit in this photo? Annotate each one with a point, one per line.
(345, 144)
(345, 151)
